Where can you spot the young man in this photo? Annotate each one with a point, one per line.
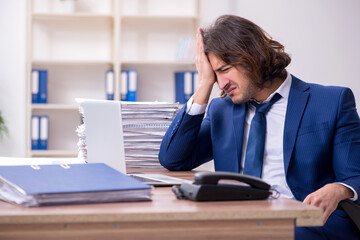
(303, 139)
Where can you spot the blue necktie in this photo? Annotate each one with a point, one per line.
(256, 141)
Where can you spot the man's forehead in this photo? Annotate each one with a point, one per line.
(216, 63)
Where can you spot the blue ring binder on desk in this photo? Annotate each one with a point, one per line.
(32, 185)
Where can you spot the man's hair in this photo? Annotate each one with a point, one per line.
(240, 42)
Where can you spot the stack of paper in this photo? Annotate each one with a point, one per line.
(144, 125)
(81, 144)
(39, 185)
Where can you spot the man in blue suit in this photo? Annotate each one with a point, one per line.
(310, 150)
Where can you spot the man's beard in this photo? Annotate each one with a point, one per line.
(248, 93)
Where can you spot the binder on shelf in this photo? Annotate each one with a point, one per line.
(35, 78)
(41, 185)
(43, 91)
(196, 81)
(44, 132)
(132, 85)
(109, 84)
(35, 131)
(183, 86)
(124, 85)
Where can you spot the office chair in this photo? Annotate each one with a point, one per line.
(352, 210)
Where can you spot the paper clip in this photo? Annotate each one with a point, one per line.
(65, 165)
(34, 166)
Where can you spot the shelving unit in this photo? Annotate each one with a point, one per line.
(78, 47)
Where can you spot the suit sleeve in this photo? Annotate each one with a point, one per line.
(187, 142)
(346, 151)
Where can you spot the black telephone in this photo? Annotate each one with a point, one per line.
(206, 187)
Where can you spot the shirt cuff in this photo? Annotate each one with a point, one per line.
(194, 108)
(355, 198)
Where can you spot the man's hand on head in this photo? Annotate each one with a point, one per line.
(206, 73)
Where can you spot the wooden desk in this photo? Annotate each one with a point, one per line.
(163, 218)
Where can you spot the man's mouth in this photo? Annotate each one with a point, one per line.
(230, 91)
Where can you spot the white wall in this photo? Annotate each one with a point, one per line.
(322, 37)
(12, 75)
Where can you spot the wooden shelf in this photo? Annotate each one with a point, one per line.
(54, 153)
(78, 48)
(62, 16)
(165, 63)
(159, 17)
(50, 106)
(51, 62)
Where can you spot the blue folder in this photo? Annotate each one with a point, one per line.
(35, 79)
(68, 184)
(132, 85)
(44, 132)
(35, 132)
(43, 89)
(109, 84)
(183, 86)
(124, 85)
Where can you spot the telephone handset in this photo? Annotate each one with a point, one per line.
(207, 186)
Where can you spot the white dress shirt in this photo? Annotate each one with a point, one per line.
(273, 171)
(273, 167)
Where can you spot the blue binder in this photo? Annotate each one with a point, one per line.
(68, 184)
(124, 85)
(109, 84)
(132, 85)
(183, 86)
(44, 132)
(35, 132)
(43, 90)
(35, 79)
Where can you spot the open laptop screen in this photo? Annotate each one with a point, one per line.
(105, 142)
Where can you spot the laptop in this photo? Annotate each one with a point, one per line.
(104, 140)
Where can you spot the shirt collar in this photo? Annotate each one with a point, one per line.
(283, 90)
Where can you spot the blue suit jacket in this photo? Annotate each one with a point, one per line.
(321, 138)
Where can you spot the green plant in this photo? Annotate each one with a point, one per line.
(3, 129)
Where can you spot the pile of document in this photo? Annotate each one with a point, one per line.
(144, 126)
(82, 148)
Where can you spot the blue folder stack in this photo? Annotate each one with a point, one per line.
(39, 185)
(39, 132)
(129, 82)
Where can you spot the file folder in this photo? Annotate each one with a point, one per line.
(183, 86)
(132, 85)
(43, 91)
(109, 84)
(35, 131)
(44, 132)
(35, 78)
(39, 185)
(124, 85)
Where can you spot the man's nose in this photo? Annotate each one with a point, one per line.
(222, 82)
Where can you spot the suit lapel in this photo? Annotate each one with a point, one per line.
(298, 99)
(239, 112)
